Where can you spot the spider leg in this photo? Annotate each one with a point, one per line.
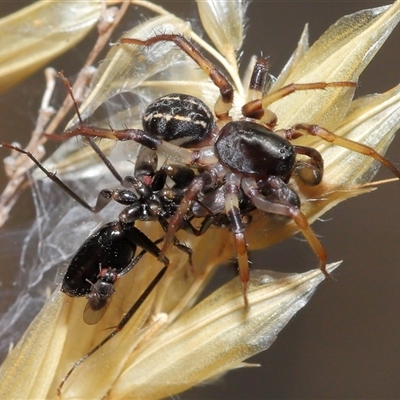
(238, 231)
(176, 242)
(224, 103)
(286, 203)
(328, 136)
(258, 79)
(203, 156)
(257, 89)
(191, 194)
(183, 176)
(254, 108)
(90, 141)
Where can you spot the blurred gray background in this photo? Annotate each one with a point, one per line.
(346, 342)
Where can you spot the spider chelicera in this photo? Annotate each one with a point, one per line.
(246, 158)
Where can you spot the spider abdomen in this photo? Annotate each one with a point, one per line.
(253, 150)
(179, 118)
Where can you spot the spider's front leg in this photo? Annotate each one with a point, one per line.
(316, 130)
(258, 108)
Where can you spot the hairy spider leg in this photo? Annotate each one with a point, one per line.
(91, 141)
(238, 230)
(193, 190)
(224, 103)
(257, 89)
(258, 108)
(316, 130)
(181, 155)
(259, 79)
(252, 109)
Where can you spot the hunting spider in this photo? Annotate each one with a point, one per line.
(244, 159)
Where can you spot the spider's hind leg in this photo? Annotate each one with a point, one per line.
(316, 130)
